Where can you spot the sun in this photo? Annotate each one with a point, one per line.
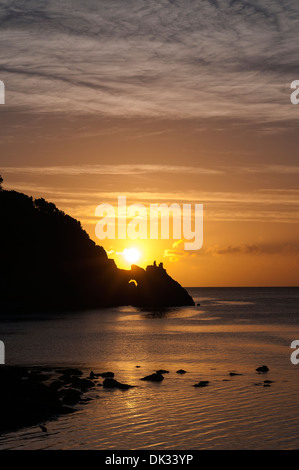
(131, 254)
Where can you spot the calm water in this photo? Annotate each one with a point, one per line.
(232, 330)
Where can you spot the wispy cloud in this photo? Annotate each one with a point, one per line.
(270, 169)
(159, 58)
(254, 248)
(263, 206)
(177, 253)
(139, 169)
(125, 169)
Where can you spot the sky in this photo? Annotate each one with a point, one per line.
(161, 101)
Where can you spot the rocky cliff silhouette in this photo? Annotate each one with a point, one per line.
(49, 263)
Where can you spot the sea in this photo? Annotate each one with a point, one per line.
(232, 330)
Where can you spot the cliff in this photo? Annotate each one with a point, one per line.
(156, 288)
(48, 262)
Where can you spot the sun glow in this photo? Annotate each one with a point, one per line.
(131, 254)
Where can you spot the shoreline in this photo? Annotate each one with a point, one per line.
(33, 395)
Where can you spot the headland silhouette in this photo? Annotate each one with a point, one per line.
(49, 263)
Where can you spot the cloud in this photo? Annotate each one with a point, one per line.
(234, 249)
(139, 169)
(270, 169)
(177, 252)
(264, 206)
(125, 169)
(151, 59)
(253, 249)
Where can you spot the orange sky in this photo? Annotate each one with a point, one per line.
(157, 103)
(250, 199)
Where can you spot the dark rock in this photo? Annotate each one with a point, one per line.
(154, 377)
(56, 384)
(162, 371)
(107, 374)
(232, 374)
(91, 375)
(13, 373)
(38, 377)
(71, 396)
(202, 383)
(66, 379)
(69, 374)
(72, 372)
(181, 371)
(82, 384)
(26, 402)
(112, 383)
(156, 289)
(262, 369)
(268, 381)
(85, 400)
